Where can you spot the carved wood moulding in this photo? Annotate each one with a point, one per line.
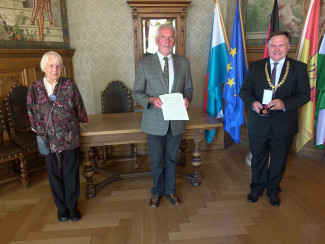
(159, 9)
(14, 53)
(256, 52)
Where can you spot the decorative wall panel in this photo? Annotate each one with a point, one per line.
(101, 33)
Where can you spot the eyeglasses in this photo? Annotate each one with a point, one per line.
(52, 66)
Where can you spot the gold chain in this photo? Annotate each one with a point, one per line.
(282, 81)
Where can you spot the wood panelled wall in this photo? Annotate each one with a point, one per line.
(22, 66)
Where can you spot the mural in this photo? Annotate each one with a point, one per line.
(33, 24)
(291, 15)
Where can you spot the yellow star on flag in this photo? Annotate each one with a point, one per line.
(229, 67)
(231, 82)
(233, 52)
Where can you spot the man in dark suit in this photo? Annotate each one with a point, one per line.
(155, 76)
(272, 126)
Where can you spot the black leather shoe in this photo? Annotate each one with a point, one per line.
(75, 214)
(275, 200)
(253, 197)
(63, 215)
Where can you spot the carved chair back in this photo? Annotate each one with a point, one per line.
(116, 98)
(12, 155)
(16, 106)
(4, 136)
(20, 128)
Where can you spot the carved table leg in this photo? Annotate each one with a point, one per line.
(24, 172)
(100, 159)
(134, 154)
(196, 163)
(182, 159)
(88, 172)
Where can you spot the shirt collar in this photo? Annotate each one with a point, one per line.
(280, 62)
(161, 57)
(45, 80)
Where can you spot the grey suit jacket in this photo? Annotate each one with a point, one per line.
(149, 82)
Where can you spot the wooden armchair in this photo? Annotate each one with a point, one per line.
(117, 98)
(12, 154)
(20, 129)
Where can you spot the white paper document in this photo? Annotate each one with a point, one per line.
(173, 107)
(267, 96)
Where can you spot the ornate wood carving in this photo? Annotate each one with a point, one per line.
(256, 52)
(22, 66)
(158, 9)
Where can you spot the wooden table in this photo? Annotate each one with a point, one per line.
(124, 128)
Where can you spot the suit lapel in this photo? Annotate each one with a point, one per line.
(283, 69)
(158, 70)
(268, 66)
(176, 70)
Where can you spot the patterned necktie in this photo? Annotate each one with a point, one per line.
(166, 72)
(273, 74)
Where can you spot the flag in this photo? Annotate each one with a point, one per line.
(216, 72)
(308, 54)
(273, 26)
(236, 70)
(320, 103)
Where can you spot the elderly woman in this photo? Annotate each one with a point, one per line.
(56, 109)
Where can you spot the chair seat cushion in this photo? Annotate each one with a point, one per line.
(8, 150)
(26, 141)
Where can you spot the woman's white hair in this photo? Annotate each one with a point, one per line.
(46, 57)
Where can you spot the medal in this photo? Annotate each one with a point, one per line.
(264, 110)
(52, 97)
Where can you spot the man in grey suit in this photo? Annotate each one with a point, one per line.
(158, 74)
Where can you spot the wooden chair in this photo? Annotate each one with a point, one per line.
(12, 154)
(19, 124)
(117, 98)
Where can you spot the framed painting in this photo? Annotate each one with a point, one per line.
(33, 24)
(291, 15)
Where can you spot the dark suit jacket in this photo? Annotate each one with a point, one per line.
(149, 82)
(294, 93)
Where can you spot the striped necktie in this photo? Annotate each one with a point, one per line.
(166, 72)
(273, 74)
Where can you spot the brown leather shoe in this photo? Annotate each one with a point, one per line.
(154, 202)
(173, 198)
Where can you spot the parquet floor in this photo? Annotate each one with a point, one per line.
(215, 212)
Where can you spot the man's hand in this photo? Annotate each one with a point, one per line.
(276, 104)
(257, 106)
(186, 103)
(155, 101)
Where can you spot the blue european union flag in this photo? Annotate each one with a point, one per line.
(236, 70)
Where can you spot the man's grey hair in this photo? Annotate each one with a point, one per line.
(169, 26)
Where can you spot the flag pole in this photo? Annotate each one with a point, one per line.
(242, 33)
(223, 26)
(321, 33)
(297, 51)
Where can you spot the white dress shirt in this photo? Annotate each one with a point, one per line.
(49, 88)
(278, 69)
